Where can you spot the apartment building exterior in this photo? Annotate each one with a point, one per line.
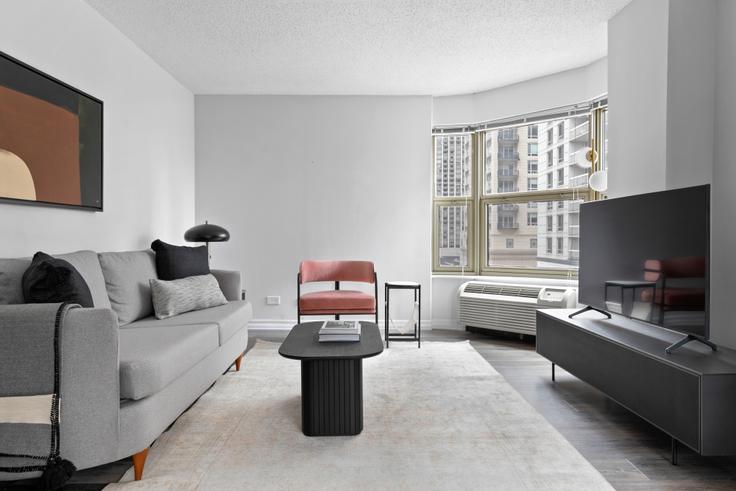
(511, 164)
(563, 145)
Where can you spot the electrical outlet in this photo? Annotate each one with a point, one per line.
(273, 300)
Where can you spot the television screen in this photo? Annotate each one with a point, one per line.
(646, 257)
(50, 140)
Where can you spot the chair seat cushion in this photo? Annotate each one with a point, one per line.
(228, 318)
(337, 301)
(153, 357)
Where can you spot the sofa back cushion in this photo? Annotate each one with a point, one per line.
(11, 279)
(88, 265)
(127, 276)
(86, 262)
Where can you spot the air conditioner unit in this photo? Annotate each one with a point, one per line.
(512, 308)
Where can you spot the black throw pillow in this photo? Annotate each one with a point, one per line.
(175, 262)
(51, 280)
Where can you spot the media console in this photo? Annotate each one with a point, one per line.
(689, 394)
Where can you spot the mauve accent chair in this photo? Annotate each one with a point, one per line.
(336, 302)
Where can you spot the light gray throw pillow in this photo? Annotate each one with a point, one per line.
(186, 294)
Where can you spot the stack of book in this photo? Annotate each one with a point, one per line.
(339, 331)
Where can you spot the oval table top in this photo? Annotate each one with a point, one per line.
(302, 343)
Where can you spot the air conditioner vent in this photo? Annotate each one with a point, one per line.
(505, 307)
(505, 290)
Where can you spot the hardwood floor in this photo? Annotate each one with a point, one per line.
(630, 453)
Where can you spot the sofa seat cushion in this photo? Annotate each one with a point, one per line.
(228, 318)
(154, 356)
(337, 301)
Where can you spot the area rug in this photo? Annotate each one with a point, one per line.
(439, 417)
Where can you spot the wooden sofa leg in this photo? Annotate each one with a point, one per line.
(139, 460)
(237, 362)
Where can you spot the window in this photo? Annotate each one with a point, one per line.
(508, 153)
(506, 187)
(506, 201)
(506, 222)
(453, 181)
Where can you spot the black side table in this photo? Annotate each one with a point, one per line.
(403, 285)
(633, 286)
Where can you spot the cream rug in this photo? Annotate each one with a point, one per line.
(439, 417)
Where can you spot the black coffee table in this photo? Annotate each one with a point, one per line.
(332, 377)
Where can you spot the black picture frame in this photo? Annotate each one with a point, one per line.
(45, 76)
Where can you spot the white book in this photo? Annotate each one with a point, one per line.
(340, 327)
(328, 338)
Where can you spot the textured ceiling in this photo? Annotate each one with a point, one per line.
(362, 46)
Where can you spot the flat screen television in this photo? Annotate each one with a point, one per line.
(647, 257)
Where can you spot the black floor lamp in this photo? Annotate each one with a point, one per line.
(207, 232)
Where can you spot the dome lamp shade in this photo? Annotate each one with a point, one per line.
(207, 232)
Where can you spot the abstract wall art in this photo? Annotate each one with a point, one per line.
(50, 140)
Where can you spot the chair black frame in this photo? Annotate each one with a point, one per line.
(299, 313)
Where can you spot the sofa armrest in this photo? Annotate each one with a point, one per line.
(230, 283)
(90, 394)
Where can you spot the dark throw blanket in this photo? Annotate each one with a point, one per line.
(30, 404)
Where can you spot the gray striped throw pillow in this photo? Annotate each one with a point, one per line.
(186, 294)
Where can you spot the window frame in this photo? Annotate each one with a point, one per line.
(478, 203)
(467, 201)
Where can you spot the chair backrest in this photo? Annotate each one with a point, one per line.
(675, 267)
(361, 271)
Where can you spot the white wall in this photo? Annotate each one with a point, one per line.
(691, 72)
(309, 177)
(148, 133)
(723, 199)
(661, 56)
(673, 119)
(637, 98)
(559, 89)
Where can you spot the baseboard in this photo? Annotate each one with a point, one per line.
(287, 324)
(450, 324)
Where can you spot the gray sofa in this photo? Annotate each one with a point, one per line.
(126, 376)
